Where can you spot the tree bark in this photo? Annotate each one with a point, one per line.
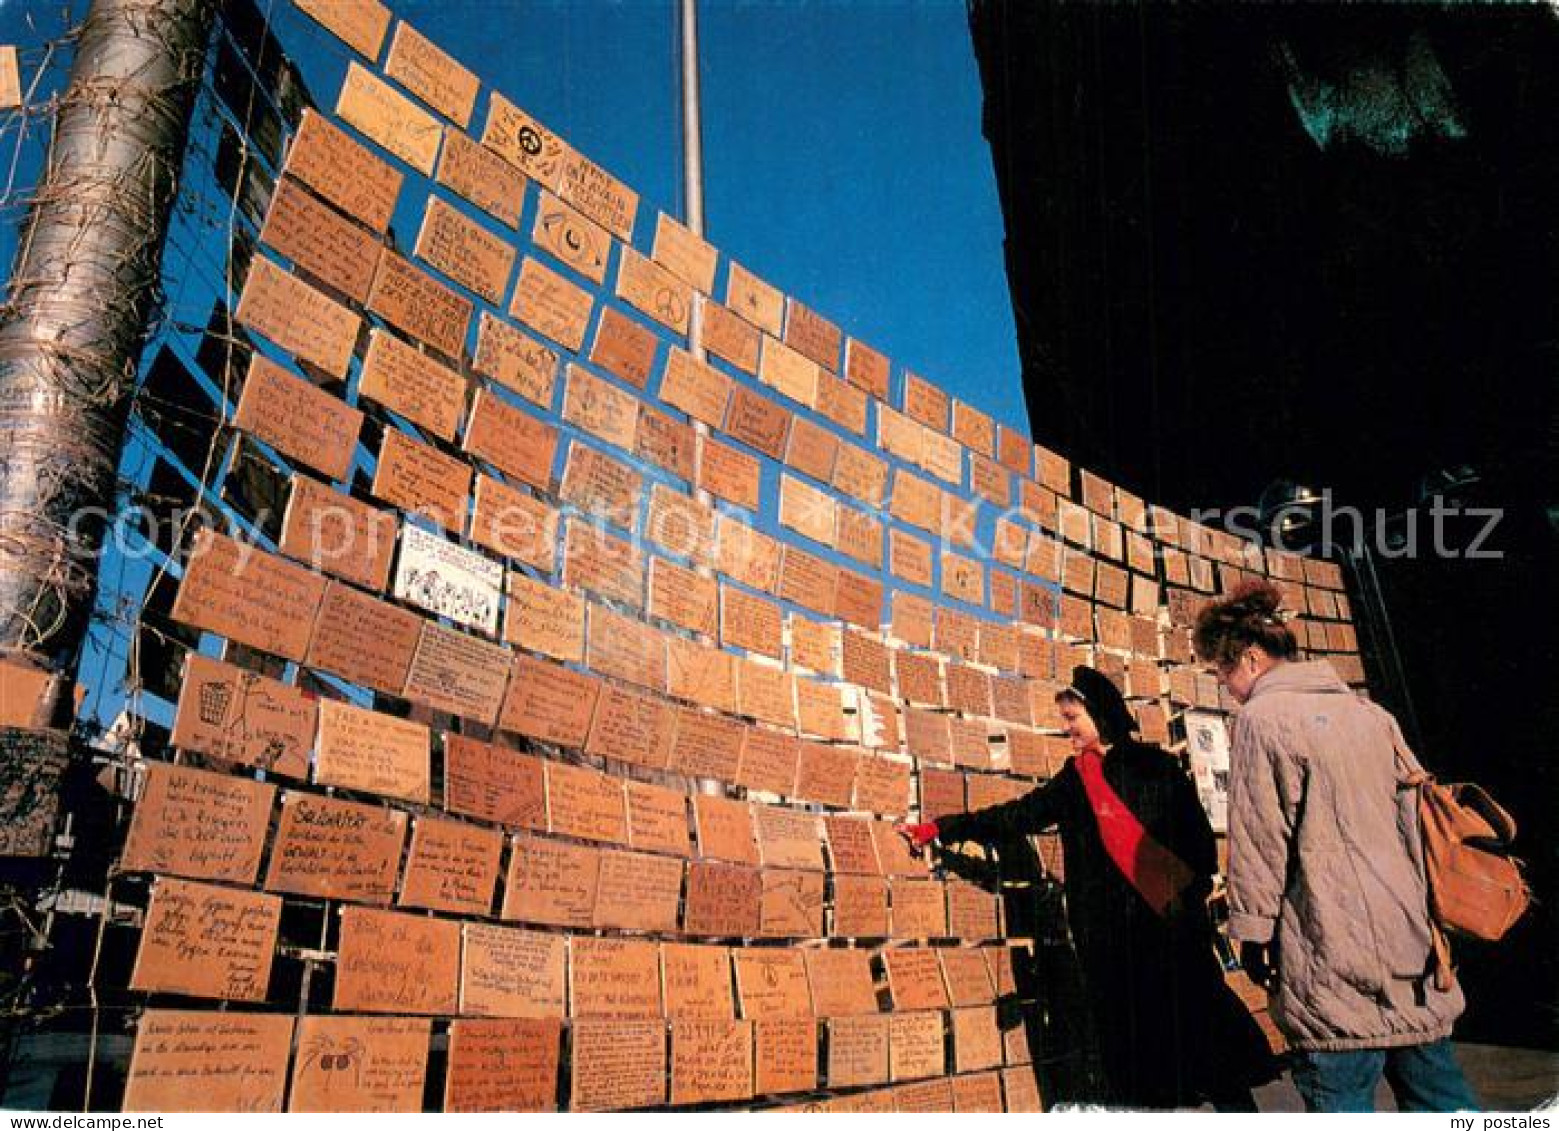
(82, 291)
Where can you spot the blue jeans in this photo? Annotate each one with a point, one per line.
(1422, 1077)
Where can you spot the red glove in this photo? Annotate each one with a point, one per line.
(919, 835)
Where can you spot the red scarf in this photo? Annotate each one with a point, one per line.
(1157, 873)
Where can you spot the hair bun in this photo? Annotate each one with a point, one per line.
(1261, 598)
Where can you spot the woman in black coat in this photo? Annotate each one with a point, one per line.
(1172, 1033)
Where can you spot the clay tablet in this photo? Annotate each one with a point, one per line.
(602, 564)
(452, 866)
(725, 830)
(722, 899)
(917, 1045)
(584, 802)
(632, 727)
(860, 907)
(336, 849)
(766, 692)
(598, 194)
(618, 1065)
(422, 480)
(786, 1050)
(976, 1039)
(882, 785)
(915, 978)
(857, 1051)
(363, 1064)
(626, 648)
(919, 909)
(683, 597)
(792, 904)
(524, 142)
(342, 536)
(369, 751)
(301, 320)
(510, 972)
(711, 1060)
(515, 360)
(482, 177)
(814, 644)
(319, 240)
(600, 408)
(503, 1065)
(345, 173)
(1021, 1089)
(980, 1093)
(364, 640)
(651, 289)
(926, 1096)
(772, 982)
(657, 819)
(389, 118)
(551, 881)
(207, 941)
(413, 384)
(826, 774)
(431, 74)
(841, 982)
(728, 336)
(697, 981)
(200, 825)
(731, 474)
(516, 525)
(614, 978)
(201, 1061)
(493, 783)
(768, 761)
(706, 676)
(706, 746)
(638, 891)
(458, 673)
(867, 369)
(360, 24)
(751, 623)
(821, 711)
(968, 977)
(681, 524)
(298, 419)
(581, 243)
(788, 838)
(389, 962)
(971, 911)
(893, 852)
(248, 595)
(551, 305)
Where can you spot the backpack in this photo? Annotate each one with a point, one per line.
(1475, 885)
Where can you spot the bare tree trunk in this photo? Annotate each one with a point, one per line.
(84, 286)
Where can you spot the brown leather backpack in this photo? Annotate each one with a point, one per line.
(1476, 889)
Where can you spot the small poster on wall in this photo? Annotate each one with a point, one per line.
(1207, 740)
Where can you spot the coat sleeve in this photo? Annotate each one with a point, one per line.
(1266, 786)
(1032, 813)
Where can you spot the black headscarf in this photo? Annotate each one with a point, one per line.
(1106, 705)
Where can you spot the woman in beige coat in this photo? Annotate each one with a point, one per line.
(1327, 892)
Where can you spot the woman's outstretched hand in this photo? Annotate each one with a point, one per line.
(918, 835)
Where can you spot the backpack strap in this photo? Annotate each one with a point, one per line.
(1412, 775)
